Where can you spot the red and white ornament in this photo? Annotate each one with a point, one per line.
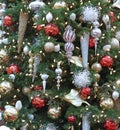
(106, 61)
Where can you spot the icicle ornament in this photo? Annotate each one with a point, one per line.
(84, 41)
(82, 79)
(37, 60)
(86, 122)
(90, 13)
(58, 71)
(106, 21)
(44, 77)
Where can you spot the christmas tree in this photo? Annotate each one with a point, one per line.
(59, 65)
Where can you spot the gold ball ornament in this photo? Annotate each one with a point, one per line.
(54, 112)
(96, 67)
(107, 103)
(97, 76)
(60, 4)
(5, 87)
(10, 114)
(3, 56)
(49, 47)
(118, 82)
(26, 90)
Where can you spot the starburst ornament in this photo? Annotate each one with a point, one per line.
(90, 14)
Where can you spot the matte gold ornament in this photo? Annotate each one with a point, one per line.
(26, 90)
(54, 112)
(96, 67)
(10, 114)
(3, 56)
(107, 103)
(5, 87)
(118, 82)
(60, 4)
(49, 47)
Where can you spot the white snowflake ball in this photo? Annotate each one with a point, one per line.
(82, 79)
(90, 14)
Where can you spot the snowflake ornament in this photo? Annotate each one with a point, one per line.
(82, 79)
(90, 14)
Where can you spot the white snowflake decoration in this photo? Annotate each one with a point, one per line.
(82, 79)
(90, 14)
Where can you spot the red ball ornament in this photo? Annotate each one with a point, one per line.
(71, 119)
(37, 102)
(112, 16)
(37, 87)
(91, 42)
(14, 68)
(40, 27)
(85, 92)
(106, 61)
(110, 125)
(51, 29)
(7, 21)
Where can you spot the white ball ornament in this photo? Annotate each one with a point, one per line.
(3, 127)
(96, 33)
(73, 16)
(49, 17)
(49, 47)
(35, 5)
(114, 43)
(115, 95)
(57, 48)
(26, 50)
(106, 48)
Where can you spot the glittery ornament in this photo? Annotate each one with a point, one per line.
(82, 79)
(91, 42)
(8, 21)
(106, 61)
(118, 83)
(60, 4)
(3, 56)
(114, 43)
(71, 119)
(37, 102)
(110, 124)
(13, 68)
(40, 27)
(51, 29)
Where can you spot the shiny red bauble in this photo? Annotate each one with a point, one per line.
(110, 125)
(13, 68)
(40, 27)
(91, 42)
(85, 92)
(8, 21)
(51, 29)
(71, 119)
(106, 61)
(37, 102)
(112, 16)
(37, 87)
